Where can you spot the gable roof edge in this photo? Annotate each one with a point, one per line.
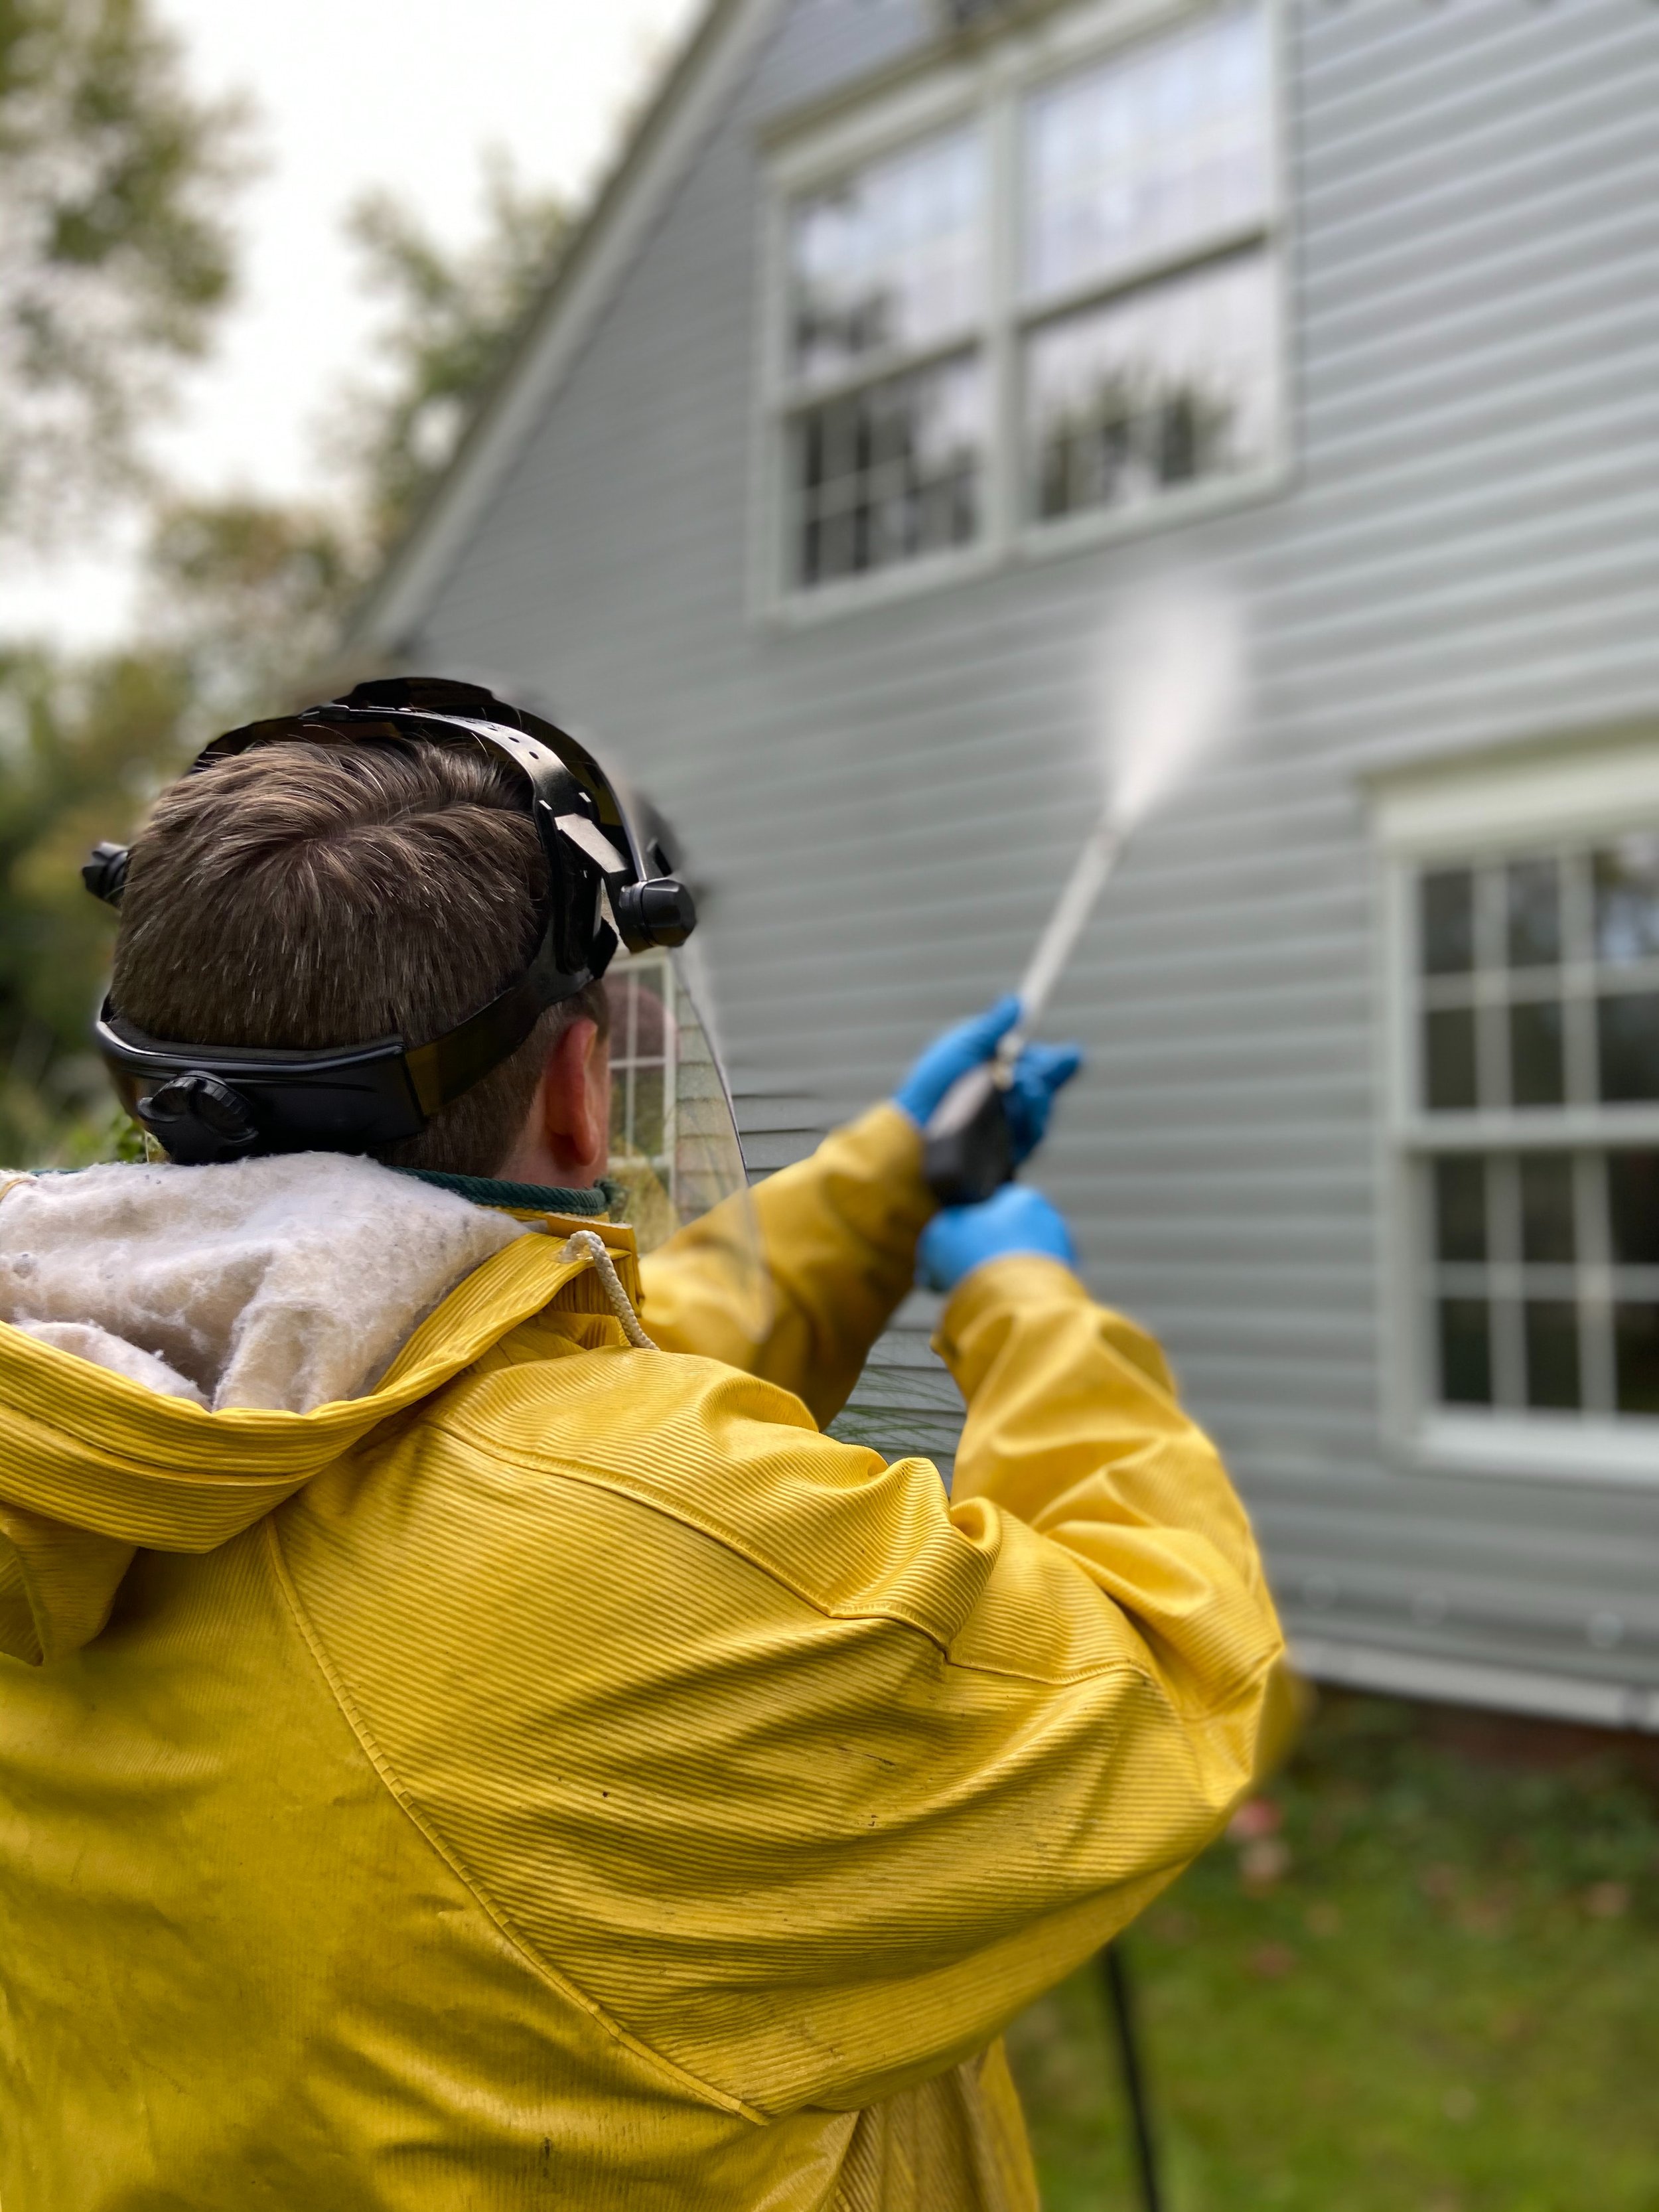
(557, 327)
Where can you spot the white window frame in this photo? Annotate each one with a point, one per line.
(1475, 809)
(989, 83)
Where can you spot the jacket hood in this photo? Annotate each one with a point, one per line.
(181, 1349)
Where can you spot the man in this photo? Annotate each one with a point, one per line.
(468, 1737)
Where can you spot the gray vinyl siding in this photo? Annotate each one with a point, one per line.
(1468, 553)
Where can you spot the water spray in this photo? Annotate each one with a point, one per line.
(1172, 685)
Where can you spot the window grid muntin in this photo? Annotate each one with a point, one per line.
(1506, 1283)
(1580, 983)
(916, 483)
(1613, 1301)
(1009, 519)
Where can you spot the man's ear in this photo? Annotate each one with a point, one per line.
(575, 1103)
(565, 1142)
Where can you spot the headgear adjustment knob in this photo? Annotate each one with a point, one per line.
(104, 872)
(199, 1119)
(660, 912)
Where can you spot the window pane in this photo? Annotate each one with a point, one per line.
(1175, 382)
(1448, 921)
(1633, 1204)
(1627, 900)
(1460, 1209)
(1534, 888)
(1152, 152)
(1629, 1029)
(1636, 1337)
(1537, 1063)
(642, 1051)
(1553, 1355)
(894, 256)
(1465, 1351)
(889, 473)
(647, 1132)
(1449, 1059)
(1549, 1231)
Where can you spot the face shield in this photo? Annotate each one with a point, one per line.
(675, 1151)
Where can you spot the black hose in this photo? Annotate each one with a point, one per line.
(1121, 1993)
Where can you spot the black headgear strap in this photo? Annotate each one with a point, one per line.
(215, 1102)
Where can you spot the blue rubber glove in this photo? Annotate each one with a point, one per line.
(964, 1238)
(1039, 1072)
(950, 1057)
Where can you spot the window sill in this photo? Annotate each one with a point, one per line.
(883, 588)
(1051, 541)
(1553, 1449)
(1081, 534)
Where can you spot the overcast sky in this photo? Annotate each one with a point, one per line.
(350, 94)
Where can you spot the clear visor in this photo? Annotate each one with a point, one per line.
(674, 1145)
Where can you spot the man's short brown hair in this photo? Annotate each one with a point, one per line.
(306, 895)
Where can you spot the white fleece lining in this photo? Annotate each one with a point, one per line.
(102, 1350)
(280, 1284)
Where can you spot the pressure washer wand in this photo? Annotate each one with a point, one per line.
(970, 1146)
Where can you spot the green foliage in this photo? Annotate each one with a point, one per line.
(453, 316)
(244, 603)
(1430, 1990)
(248, 595)
(81, 749)
(115, 254)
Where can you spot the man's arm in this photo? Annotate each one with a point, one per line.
(838, 1233)
(807, 1777)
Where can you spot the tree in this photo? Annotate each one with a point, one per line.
(115, 252)
(84, 748)
(248, 595)
(241, 606)
(454, 315)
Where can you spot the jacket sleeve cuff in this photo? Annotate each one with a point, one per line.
(976, 1321)
(1018, 1279)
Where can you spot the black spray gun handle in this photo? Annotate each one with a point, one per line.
(968, 1147)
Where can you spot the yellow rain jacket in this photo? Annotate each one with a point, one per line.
(559, 1776)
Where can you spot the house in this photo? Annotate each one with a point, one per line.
(912, 340)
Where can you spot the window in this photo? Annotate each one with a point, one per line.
(671, 1125)
(1539, 983)
(1148, 185)
(1526, 1052)
(1059, 302)
(889, 266)
(641, 992)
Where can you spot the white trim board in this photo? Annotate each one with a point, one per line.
(1474, 804)
(716, 59)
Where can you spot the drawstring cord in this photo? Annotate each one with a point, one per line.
(584, 1244)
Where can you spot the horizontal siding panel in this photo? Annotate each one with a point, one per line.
(1444, 156)
(1355, 57)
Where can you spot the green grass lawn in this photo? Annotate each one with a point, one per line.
(1433, 1987)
